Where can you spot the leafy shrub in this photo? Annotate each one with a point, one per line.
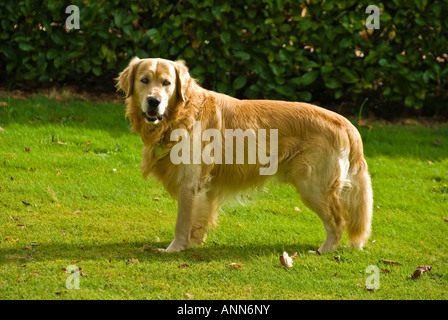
(271, 49)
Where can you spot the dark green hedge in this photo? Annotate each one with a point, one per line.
(273, 49)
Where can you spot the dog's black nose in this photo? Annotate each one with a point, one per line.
(153, 102)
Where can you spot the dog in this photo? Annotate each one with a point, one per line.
(317, 151)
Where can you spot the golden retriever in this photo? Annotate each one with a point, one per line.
(317, 151)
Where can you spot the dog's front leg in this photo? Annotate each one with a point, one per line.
(184, 221)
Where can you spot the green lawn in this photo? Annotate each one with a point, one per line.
(71, 194)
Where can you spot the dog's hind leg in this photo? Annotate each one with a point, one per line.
(319, 188)
(329, 211)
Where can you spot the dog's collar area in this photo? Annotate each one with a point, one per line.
(152, 118)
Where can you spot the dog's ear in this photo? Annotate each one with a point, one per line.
(125, 80)
(183, 78)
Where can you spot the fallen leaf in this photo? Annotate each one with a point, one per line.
(197, 256)
(156, 199)
(234, 265)
(286, 260)
(394, 263)
(437, 142)
(297, 209)
(385, 270)
(61, 292)
(190, 296)
(77, 211)
(446, 220)
(183, 266)
(27, 149)
(21, 225)
(34, 274)
(421, 270)
(132, 260)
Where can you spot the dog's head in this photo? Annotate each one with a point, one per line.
(155, 85)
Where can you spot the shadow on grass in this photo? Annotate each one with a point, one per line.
(148, 252)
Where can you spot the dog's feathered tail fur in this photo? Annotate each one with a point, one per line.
(357, 199)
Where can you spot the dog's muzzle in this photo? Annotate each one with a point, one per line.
(152, 114)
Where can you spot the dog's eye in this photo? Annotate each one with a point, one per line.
(144, 80)
(166, 83)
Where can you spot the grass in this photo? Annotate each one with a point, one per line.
(71, 194)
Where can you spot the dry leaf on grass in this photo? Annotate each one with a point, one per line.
(394, 263)
(132, 260)
(234, 265)
(421, 270)
(286, 260)
(183, 266)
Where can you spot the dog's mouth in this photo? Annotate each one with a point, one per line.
(152, 116)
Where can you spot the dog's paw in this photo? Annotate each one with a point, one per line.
(175, 246)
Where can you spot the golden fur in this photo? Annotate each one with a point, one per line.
(319, 152)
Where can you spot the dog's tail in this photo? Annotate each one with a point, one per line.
(357, 200)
